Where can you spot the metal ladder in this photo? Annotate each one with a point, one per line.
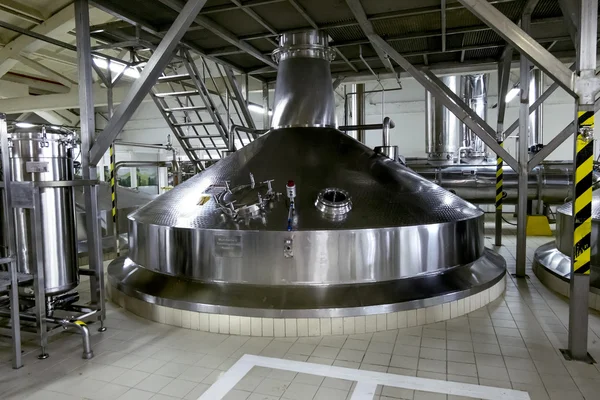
(202, 119)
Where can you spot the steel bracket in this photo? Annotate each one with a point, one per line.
(587, 86)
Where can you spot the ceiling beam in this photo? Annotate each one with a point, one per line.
(367, 28)
(48, 72)
(68, 115)
(62, 101)
(53, 118)
(62, 21)
(22, 11)
(522, 42)
(36, 85)
(570, 12)
(221, 32)
(135, 20)
(375, 17)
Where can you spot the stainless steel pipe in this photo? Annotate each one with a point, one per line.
(65, 323)
(387, 125)
(84, 331)
(550, 182)
(146, 145)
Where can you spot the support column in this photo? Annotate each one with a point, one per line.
(523, 159)
(265, 96)
(360, 117)
(582, 186)
(503, 82)
(87, 118)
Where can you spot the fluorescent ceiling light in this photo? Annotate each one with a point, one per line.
(512, 94)
(258, 109)
(117, 67)
(24, 125)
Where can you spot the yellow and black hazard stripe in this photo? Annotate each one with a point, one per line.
(113, 189)
(499, 180)
(584, 161)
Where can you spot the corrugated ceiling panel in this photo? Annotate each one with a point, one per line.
(460, 18)
(481, 37)
(262, 44)
(481, 54)
(342, 34)
(410, 46)
(326, 11)
(404, 25)
(205, 39)
(547, 9)
(237, 22)
(245, 61)
(282, 16)
(443, 57)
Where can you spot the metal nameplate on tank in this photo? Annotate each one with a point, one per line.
(36, 166)
(228, 246)
(22, 194)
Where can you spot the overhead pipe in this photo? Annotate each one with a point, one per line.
(135, 164)
(387, 125)
(168, 147)
(366, 127)
(550, 182)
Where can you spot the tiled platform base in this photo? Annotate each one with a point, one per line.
(562, 287)
(294, 327)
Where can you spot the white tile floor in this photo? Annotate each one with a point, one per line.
(512, 343)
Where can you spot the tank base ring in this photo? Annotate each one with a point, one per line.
(553, 269)
(217, 307)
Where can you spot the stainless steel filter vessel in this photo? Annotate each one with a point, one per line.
(446, 137)
(474, 93)
(442, 128)
(46, 155)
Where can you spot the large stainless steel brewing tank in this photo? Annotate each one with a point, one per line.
(305, 221)
(46, 155)
(555, 256)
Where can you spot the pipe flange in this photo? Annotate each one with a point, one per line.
(334, 203)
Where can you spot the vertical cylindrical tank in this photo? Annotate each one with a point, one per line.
(535, 137)
(474, 94)
(442, 127)
(40, 156)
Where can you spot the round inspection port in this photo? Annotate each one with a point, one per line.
(334, 203)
